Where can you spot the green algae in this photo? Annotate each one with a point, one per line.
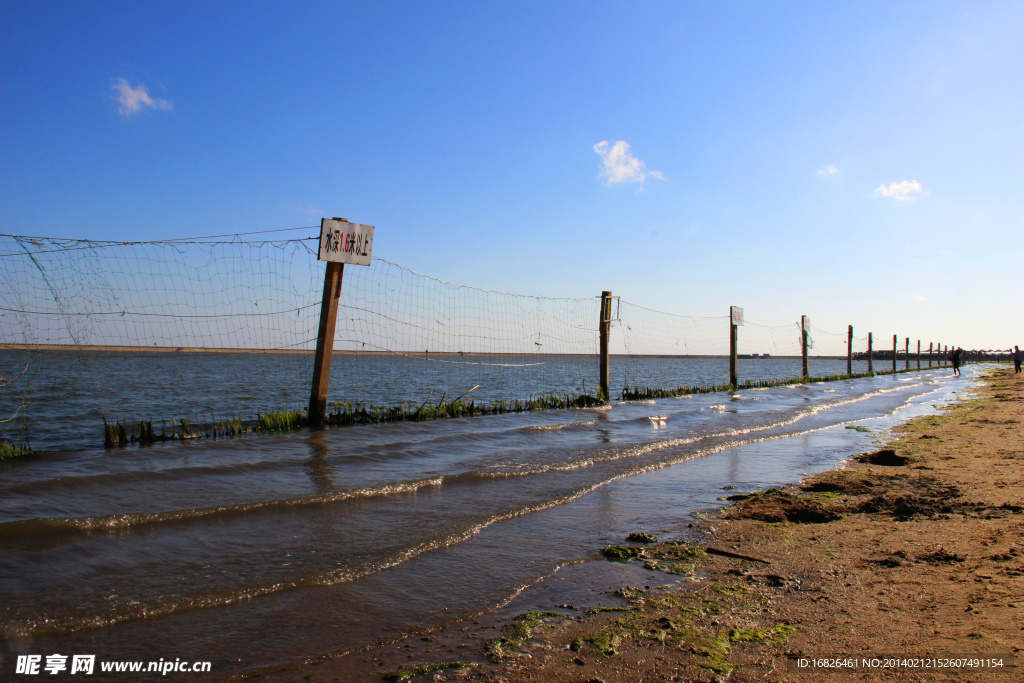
(404, 674)
(621, 552)
(679, 625)
(10, 450)
(517, 632)
(778, 634)
(677, 568)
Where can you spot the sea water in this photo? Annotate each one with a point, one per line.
(267, 549)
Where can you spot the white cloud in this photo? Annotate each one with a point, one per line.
(131, 101)
(830, 170)
(907, 190)
(311, 210)
(918, 297)
(620, 166)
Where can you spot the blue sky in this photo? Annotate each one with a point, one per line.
(858, 162)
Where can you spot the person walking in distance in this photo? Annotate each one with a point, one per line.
(956, 360)
(1018, 358)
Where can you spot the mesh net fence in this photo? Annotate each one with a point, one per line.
(209, 332)
(122, 332)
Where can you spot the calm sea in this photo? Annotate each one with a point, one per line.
(266, 549)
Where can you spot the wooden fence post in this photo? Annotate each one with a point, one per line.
(605, 325)
(735, 319)
(871, 353)
(906, 355)
(849, 350)
(805, 325)
(325, 343)
(918, 354)
(895, 341)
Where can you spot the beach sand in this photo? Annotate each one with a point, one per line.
(905, 566)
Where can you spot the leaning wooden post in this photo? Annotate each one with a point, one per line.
(895, 341)
(906, 355)
(849, 350)
(605, 325)
(805, 329)
(341, 242)
(871, 356)
(918, 354)
(735, 320)
(325, 344)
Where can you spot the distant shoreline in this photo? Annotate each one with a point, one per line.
(73, 348)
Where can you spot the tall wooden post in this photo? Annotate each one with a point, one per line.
(849, 350)
(604, 327)
(734, 371)
(895, 341)
(805, 323)
(325, 343)
(906, 355)
(945, 355)
(929, 354)
(918, 354)
(871, 356)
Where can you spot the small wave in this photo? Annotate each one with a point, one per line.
(133, 610)
(33, 528)
(162, 475)
(547, 428)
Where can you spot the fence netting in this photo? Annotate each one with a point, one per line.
(664, 351)
(97, 331)
(212, 332)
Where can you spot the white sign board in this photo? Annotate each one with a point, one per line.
(344, 242)
(737, 315)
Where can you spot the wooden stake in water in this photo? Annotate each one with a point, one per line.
(906, 354)
(895, 342)
(871, 354)
(849, 350)
(325, 343)
(604, 327)
(805, 330)
(341, 242)
(735, 320)
(918, 354)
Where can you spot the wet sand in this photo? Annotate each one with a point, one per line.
(905, 566)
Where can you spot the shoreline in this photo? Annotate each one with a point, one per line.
(101, 348)
(917, 558)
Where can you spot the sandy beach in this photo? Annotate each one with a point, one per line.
(905, 565)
